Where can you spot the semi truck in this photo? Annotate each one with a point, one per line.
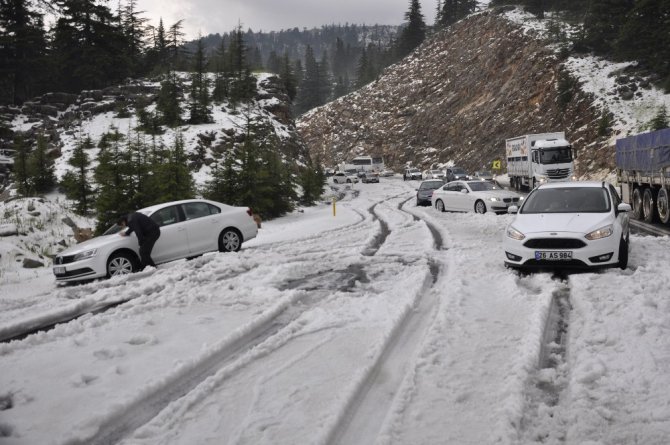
(536, 158)
(643, 172)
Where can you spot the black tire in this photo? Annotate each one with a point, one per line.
(480, 206)
(121, 263)
(230, 240)
(649, 205)
(623, 253)
(663, 205)
(636, 203)
(439, 205)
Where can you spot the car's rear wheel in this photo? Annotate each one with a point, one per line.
(480, 207)
(121, 263)
(637, 203)
(230, 240)
(662, 205)
(648, 205)
(439, 205)
(623, 253)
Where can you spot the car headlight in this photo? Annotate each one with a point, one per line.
(521, 198)
(494, 199)
(85, 254)
(602, 232)
(515, 234)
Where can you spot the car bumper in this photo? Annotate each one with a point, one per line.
(79, 270)
(595, 254)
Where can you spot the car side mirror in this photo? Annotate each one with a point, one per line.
(513, 210)
(623, 207)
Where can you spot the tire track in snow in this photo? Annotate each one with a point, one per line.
(540, 422)
(361, 419)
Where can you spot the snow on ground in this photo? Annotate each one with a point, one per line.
(387, 323)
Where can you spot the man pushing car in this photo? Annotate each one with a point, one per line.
(147, 232)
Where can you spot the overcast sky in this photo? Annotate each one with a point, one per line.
(212, 16)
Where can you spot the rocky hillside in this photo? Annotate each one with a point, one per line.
(457, 98)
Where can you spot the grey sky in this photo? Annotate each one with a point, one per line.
(212, 16)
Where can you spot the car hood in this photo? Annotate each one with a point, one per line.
(98, 242)
(560, 222)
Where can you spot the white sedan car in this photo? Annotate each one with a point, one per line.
(188, 228)
(474, 196)
(344, 178)
(576, 224)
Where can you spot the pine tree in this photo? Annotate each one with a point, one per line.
(200, 99)
(22, 52)
(76, 183)
(288, 77)
(135, 29)
(112, 176)
(273, 63)
(312, 181)
(168, 103)
(222, 74)
(661, 120)
(173, 178)
(414, 33)
(21, 166)
(224, 185)
(454, 10)
(603, 23)
(41, 167)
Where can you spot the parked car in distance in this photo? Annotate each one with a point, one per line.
(456, 174)
(580, 224)
(188, 228)
(344, 178)
(369, 177)
(425, 191)
(474, 196)
(483, 175)
(433, 174)
(386, 173)
(411, 173)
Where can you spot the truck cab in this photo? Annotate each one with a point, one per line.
(534, 159)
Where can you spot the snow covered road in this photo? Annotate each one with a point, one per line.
(388, 324)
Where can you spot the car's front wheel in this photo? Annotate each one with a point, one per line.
(121, 264)
(439, 205)
(480, 207)
(230, 240)
(623, 253)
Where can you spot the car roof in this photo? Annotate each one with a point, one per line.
(155, 207)
(571, 184)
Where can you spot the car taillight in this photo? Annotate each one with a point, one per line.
(249, 212)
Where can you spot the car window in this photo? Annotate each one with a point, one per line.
(567, 200)
(165, 217)
(193, 210)
(213, 210)
(430, 185)
(454, 187)
(481, 186)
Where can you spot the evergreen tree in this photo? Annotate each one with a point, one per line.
(222, 75)
(312, 180)
(340, 58)
(175, 40)
(660, 121)
(173, 179)
(141, 193)
(288, 77)
(135, 29)
(341, 87)
(414, 32)
(21, 170)
(168, 103)
(224, 185)
(22, 52)
(76, 183)
(310, 94)
(41, 167)
(454, 10)
(603, 23)
(112, 177)
(200, 99)
(274, 63)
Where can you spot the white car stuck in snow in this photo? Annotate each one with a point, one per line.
(188, 228)
(474, 196)
(569, 224)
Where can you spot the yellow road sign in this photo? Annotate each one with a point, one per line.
(496, 165)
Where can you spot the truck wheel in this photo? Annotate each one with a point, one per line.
(648, 205)
(636, 201)
(662, 205)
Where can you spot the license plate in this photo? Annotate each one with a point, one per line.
(553, 256)
(59, 270)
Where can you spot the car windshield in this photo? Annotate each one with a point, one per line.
(483, 174)
(458, 171)
(414, 170)
(556, 155)
(431, 185)
(481, 186)
(113, 230)
(567, 200)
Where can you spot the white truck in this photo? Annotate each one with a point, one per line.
(536, 158)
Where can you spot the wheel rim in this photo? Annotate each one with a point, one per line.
(120, 266)
(480, 207)
(662, 206)
(231, 241)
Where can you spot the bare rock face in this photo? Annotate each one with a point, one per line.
(457, 98)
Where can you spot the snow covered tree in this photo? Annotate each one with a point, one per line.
(76, 183)
(41, 167)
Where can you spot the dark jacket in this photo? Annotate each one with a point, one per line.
(142, 225)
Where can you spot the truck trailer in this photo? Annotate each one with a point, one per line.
(536, 158)
(643, 171)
